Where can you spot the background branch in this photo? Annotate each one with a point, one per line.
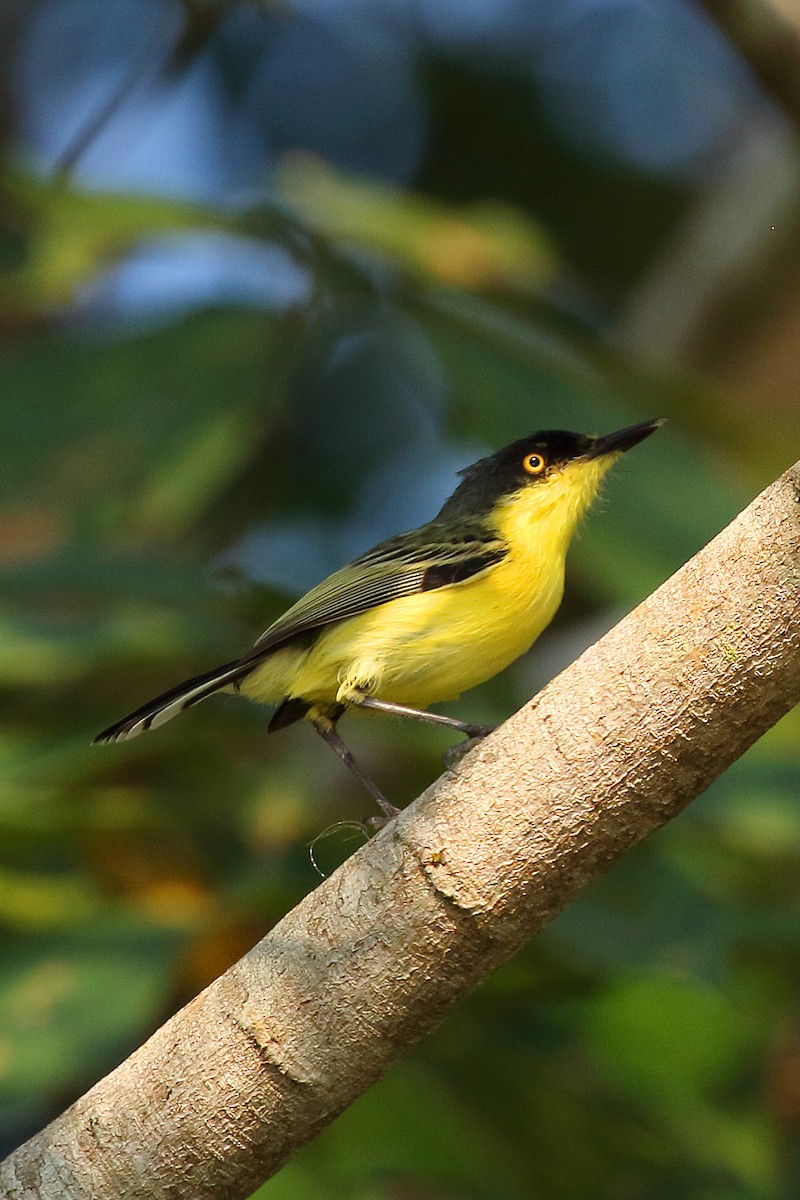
(765, 37)
(371, 961)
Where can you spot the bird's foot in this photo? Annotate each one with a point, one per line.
(474, 735)
(371, 825)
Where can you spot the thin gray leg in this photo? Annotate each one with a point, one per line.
(327, 731)
(419, 714)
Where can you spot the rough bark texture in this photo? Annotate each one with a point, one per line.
(373, 959)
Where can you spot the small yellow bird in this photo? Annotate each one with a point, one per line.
(427, 614)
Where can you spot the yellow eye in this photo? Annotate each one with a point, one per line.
(534, 464)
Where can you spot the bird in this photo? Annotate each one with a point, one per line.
(426, 614)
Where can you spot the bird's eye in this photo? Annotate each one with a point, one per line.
(534, 464)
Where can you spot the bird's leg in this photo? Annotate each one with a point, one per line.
(326, 729)
(473, 733)
(419, 714)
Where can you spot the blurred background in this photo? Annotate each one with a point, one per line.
(271, 273)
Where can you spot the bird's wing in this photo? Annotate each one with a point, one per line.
(402, 566)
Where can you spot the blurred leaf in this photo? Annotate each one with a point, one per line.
(79, 998)
(44, 901)
(675, 1044)
(665, 1037)
(476, 246)
(196, 393)
(75, 233)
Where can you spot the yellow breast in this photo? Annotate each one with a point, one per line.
(434, 645)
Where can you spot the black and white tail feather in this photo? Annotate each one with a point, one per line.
(166, 706)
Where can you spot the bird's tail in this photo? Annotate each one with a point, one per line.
(170, 703)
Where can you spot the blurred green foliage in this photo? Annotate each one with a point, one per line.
(648, 1044)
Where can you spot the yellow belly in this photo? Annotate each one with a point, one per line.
(420, 649)
(423, 648)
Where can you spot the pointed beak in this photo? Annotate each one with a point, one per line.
(623, 439)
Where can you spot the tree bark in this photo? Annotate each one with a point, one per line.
(371, 961)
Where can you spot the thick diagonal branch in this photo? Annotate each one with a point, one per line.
(370, 962)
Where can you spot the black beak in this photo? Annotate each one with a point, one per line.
(623, 439)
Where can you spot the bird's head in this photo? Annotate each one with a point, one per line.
(551, 473)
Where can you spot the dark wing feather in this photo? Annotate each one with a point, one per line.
(419, 561)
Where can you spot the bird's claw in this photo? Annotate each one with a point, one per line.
(475, 735)
(372, 825)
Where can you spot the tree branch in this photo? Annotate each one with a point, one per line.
(768, 42)
(373, 959)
